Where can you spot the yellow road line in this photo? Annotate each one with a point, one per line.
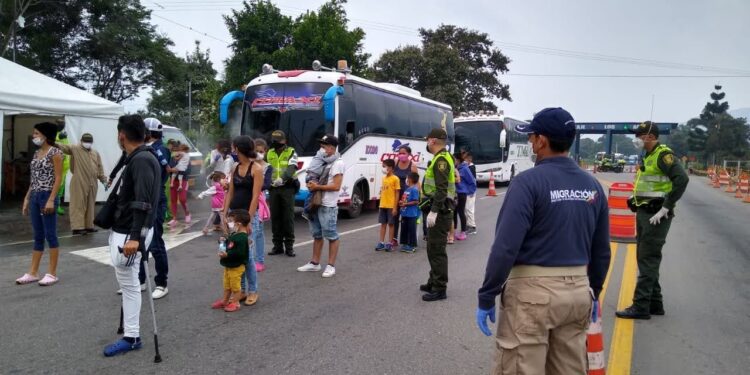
(613, 258)
(621, 349)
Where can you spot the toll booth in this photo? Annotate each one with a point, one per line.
(611, 128)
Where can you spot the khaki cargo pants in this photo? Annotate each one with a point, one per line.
(542, 327)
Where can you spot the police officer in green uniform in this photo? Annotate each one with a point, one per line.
(283, 160)
(659, 184)
(439, 189)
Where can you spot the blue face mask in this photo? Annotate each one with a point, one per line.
(235, 157)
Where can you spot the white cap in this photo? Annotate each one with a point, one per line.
(152, 124)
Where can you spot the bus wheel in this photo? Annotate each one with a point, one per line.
(357, 201)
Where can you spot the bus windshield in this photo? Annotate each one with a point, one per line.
(481, 138)
(294, 108)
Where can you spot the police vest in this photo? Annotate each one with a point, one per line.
(280, 162)
(429, 186)
(650, 181)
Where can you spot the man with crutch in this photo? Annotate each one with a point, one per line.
(138, 194)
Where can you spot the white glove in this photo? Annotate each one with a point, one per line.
(656, 219)
(278, 182)
(431, 218)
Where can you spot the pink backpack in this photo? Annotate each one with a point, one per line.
(264, 213)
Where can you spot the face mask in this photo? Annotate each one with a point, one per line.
(385, 170)
(150, 143)
(231, 225)
(235, 157)
(87, 145)
(260, 155)
(428, 148)
(322, 153)
(638, 143)
(403, 157)
(276, 145)
(38, 141)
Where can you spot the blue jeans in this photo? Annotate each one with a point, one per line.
(45, 226)
(250, 276)
(323, 223)
(157, 248)
(259, 239)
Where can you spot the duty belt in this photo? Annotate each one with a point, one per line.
(521, 271)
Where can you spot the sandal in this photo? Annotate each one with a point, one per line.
(48, 280)
(26, 279)
(232, 307)
(218, 304)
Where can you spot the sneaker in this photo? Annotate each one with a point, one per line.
(407, 249)
(388, 248)
(309, 267)
(232, 307)
(172, 222)
(218, 304)
(122, 346)
(26, 279)
(252, 298)
(48, 280)
(472, 230)
(330, 271)
(460, 236)
(306, 216)
(143, 289)
(394, 243)
(188, 219)
(380, 247)
(160, 292)
(259, 267)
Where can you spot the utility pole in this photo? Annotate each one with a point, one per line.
(190, 104)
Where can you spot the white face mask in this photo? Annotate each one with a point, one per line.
(638, 143)
(385, 170)
(231, 225)
(38, 141)
(260, 155)
(87, 145)
(322, 153)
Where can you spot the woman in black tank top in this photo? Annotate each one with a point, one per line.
(244, 190)
(404, 167)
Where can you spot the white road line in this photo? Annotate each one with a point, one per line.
(340, 234)
(101, 254)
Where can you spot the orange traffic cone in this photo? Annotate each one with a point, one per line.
(747, 198)
(492, 192)
(730, 187)
(595, 346)
(716, 182)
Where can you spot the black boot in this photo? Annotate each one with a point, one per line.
(290, 251)
(276, 251)
(632, 312)
(434, 296)
(425, 287)
(656, 308)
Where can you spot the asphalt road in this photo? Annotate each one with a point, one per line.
(369, 318)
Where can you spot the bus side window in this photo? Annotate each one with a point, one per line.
(348, 116)
(349, 132)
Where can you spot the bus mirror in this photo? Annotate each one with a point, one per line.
(503, 138)
(224, 104)
(329, 100)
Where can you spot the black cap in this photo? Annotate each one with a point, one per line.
(555, 123)
(438, 133)
(646, 127)
(278, 136)
(87, 137)
(329, 139)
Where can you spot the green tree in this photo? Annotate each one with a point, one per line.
(169, 100)
(263, 35)
(106, 46)
(725, 137)
(455, 65)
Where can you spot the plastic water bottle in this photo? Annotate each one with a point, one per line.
(223, 244)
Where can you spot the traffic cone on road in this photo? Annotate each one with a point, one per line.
(595, 346)
(492, 192)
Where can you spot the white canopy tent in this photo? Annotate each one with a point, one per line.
(28, 97)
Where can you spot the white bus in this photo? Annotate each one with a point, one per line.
(494, 144)
(371, 120)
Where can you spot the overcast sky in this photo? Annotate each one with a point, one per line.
(692, 32)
